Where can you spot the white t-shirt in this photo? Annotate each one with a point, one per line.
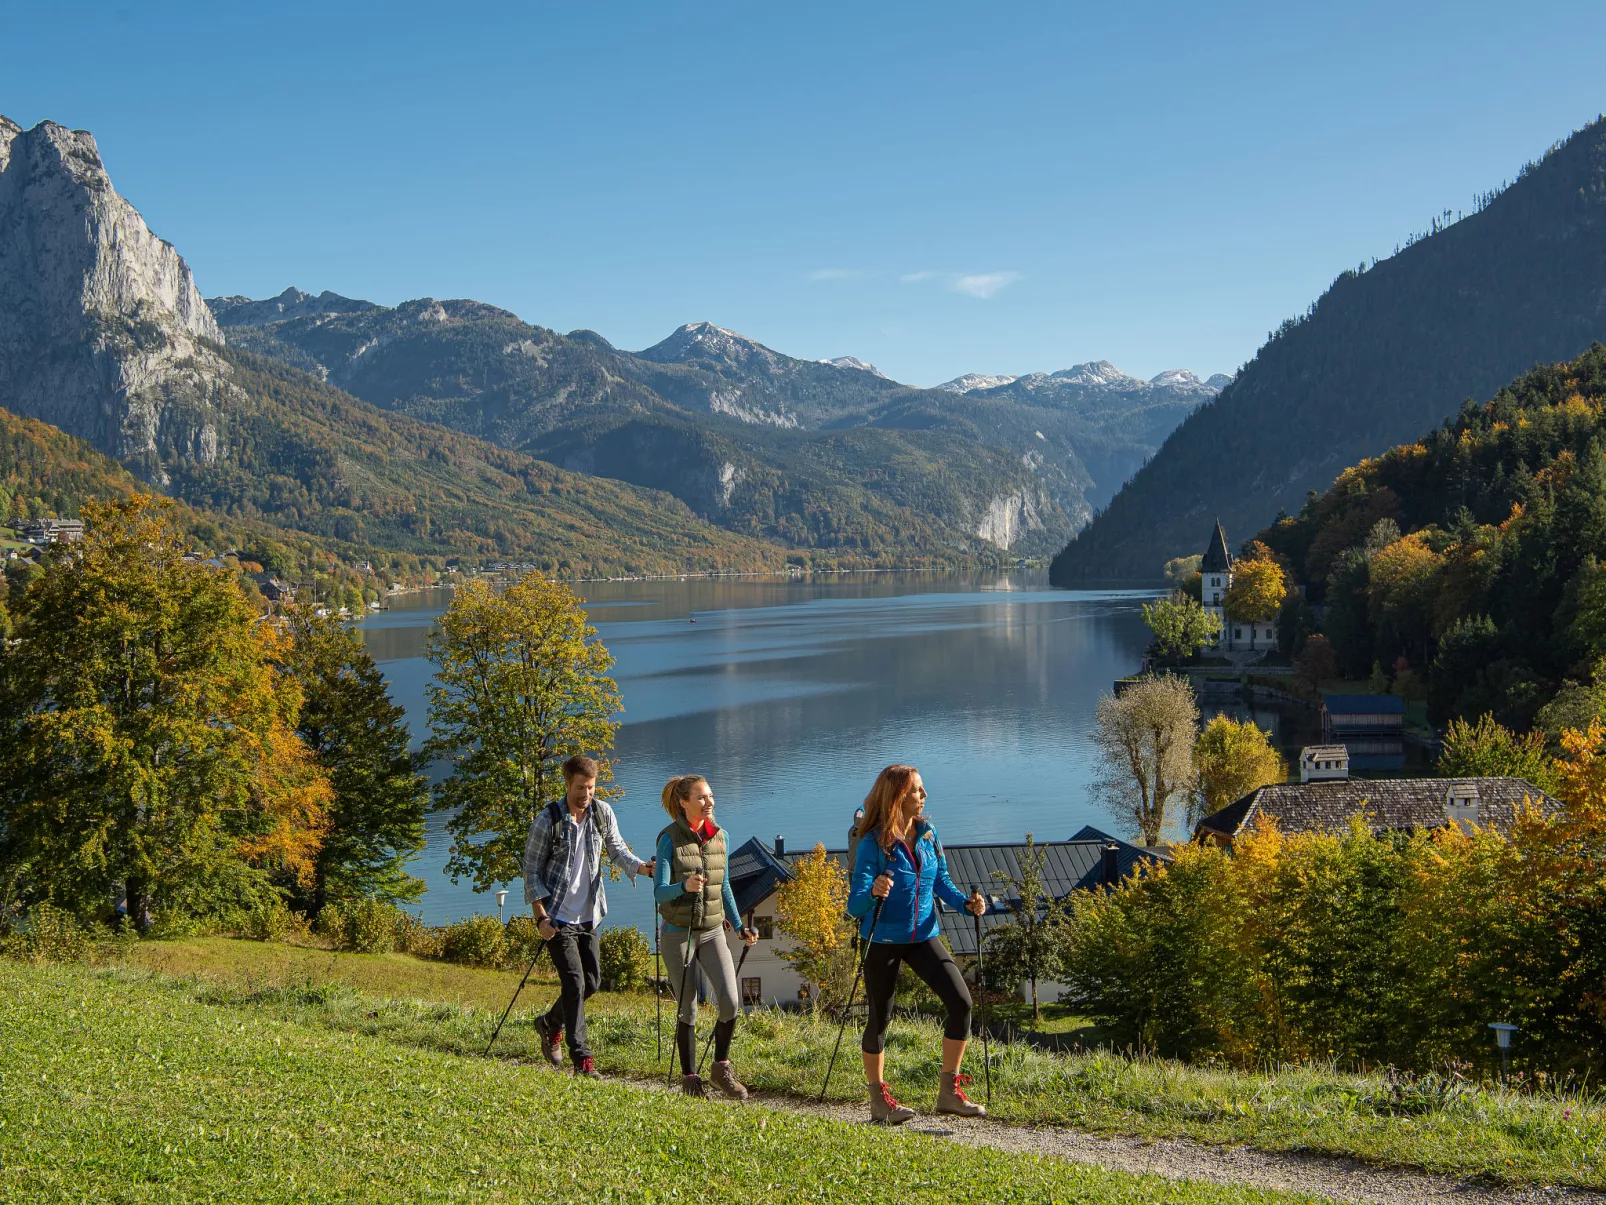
(572, 909)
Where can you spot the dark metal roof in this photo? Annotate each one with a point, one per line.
(1216, 558)
(1068, 866)
(754, 872)
(1390, 804)
(1363, 704)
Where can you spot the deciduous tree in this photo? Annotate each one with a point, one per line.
(811, 909)
(1487, 749)
(1181, 626)
(1232, 758)
(1257, 590)
(521, 684)
(1145, 740)
(1029, 946)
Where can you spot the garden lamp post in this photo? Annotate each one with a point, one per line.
(1502, 1036)
(501, 899)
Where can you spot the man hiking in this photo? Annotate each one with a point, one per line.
(563, 886)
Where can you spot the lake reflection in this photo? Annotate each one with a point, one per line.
(791, 695)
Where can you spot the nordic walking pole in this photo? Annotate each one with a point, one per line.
(857, 975)
(709, 1045)
(658, 980)
(516, 992)
(986, 1055)
(689, 950)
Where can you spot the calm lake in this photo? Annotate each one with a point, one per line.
(791, 695)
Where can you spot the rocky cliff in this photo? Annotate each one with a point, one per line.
(102, 331)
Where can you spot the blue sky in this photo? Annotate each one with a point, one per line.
(937, 188)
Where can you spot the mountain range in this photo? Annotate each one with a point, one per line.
(1386, 354)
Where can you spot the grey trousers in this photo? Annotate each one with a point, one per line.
(714, 957)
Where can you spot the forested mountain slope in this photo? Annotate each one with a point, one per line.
(1384, 354)
(46, 473)
(1471, 564)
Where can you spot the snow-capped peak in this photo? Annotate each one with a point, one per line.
(973, 381)
(855, 362)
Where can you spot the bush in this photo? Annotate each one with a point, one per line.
(479, 941)
(52, 935)
(274, 921)
(370, 926)
(414, 937)
(626, 959)
(330, 925)
(523, 940)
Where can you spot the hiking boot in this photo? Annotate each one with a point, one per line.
(884, 1107)
(725, 1080)
(692, 1085)
(951, 1098)
(551, 1042)
(587, 1068)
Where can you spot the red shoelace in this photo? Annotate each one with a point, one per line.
(961, 1082)
(587, 1065)
(554, 1039)
(888, 1099)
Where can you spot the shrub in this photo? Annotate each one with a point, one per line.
(50, 935)
(370, 926)
(414, 937)
(479, 941)
(523, 940)
(331, 925)
(274, 921)
(626, 959)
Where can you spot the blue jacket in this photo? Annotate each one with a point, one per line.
(919, 877)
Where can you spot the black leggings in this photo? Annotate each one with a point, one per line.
(932, 962)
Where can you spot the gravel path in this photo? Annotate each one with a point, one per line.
(1181, 1159)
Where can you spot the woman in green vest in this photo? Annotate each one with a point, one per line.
(694, 899)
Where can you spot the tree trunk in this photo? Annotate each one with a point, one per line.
(1036, 1014)
(137, 900)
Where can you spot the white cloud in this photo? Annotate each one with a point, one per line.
(983, 284)
(910, 278)
(838, 274)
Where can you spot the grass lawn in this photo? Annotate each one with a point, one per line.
(414, 1004)
(117, 1088)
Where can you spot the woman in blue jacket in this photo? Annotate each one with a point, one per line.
(899, 859)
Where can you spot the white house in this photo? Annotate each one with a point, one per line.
(1215, 572)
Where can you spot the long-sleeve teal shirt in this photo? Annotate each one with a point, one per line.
(663, 890)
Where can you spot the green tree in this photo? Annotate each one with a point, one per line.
(811, 909)
(521, 684)
(360, 738)
(1144, 737)
(146, 742)
(1181, 626)
(1029, 946)
(1232, 758)
(1488, 749)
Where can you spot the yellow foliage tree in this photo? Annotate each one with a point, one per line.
(1232, 758)
(1257, 591)
(812, 911)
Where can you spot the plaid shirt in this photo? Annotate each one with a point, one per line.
(549, 857)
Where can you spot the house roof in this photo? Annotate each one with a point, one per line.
(1389, 803)
(1216, 558)
(1363, 704)
(755, 872)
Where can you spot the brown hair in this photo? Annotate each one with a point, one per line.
(677, 790)
(891, 785)
(579, 766)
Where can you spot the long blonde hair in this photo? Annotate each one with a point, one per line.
(892, 785)
(677, 791)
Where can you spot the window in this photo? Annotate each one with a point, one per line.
(765, 925)
(752, 991)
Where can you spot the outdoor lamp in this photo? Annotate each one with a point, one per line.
(1502, 1036)
(501, 899)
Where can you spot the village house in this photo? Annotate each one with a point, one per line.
(1371, 727)
(1089, 860)
(1328, 800)
(49, 531)
(1215, 574)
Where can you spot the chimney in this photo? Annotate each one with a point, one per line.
(1110, 865)
(780, 846)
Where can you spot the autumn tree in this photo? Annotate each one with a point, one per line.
(811, 909)
(1258, 588)
(1232, 758)
(521, 684)
(1488, 749)
(147, 744)
(1144, 736)
(1181, 626)
(1315, 664)
(360, 738)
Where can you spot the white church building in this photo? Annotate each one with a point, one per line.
(1215, 572)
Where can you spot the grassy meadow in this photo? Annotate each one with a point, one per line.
(416, 1006)
(128, 1087)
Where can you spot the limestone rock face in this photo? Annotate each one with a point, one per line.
(102, 330)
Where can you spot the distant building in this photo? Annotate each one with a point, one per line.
(276, 591)
(1387, 805)
(1371, 727)
(1215, 573)
(51, 531)
(1318, 763)
(1090, 859)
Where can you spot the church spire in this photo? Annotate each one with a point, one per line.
(1216, 558)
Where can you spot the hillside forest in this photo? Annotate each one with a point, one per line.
(1468, 568)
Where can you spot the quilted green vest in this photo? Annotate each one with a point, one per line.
(689, 858)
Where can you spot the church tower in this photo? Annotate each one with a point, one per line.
(1216, 574)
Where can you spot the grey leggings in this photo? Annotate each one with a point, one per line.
(714, 957)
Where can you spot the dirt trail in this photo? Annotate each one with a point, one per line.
(1349, 1180)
